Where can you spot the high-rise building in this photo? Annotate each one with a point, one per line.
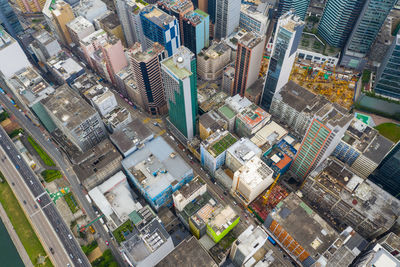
(105, 53)
(196, 31)
(11, 53)
(179, 9)
(44, 45)
(338, 20)
(33, 6)
(254, 18)
(323, 135)
(227, 16)
(286, 41)
(180, 81)
(57, 14)
(111, 25)
(250, 50)
(160, 27)
(212, 61)
(368, 25)
(300, 7)
(90, 9)
(8, 19)
(213, 150)
(388, 75)
(79, 28)
(75, 118)
(146, 69)
(129, 16)
(362, 148)
(387, 175)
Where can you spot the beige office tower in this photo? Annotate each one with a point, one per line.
(57, 14)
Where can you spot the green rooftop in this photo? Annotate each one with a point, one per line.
(181, 73)
(227, 111)
(222, 144)
(135, 217)
(201, 12)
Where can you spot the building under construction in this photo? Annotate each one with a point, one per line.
(338, 85)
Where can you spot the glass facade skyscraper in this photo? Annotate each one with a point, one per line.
(300, 7)
(388, 76)
(338, 20)
(387, 175)
(365, 31)
(286, 41)
(8, 19)
(180, 83)
(227, 16)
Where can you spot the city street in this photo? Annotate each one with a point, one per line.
(38, 219)
(64, 166)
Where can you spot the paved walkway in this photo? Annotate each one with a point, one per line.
(14, 237)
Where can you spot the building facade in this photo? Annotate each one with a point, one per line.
(213, 150)
(286, 41)
(162, 28)
(300, 7)
(196, 31)
(387, 175)
(368, 25)
(254, 18)
(57, 14)
(388, 75)
(180, 80)
(75, 118)
(8, 19)
(129, 15)
(323, 135)
(249, 55)
(34, 6)
(338, 20)
(227, 16)
(212, 61)
(147, 72)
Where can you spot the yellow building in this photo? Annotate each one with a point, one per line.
(57, 14)
(31, 6)
(111, 25)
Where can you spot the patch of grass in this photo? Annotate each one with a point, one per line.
(16, 132)
(89, 248)
(21, 224)
(42, 154)
(119, 232)
(71, 201)
(389, 130)
(51, 175)
(107, 260)
(4, 115)
(365, 77)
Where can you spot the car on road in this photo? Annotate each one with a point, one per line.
(35, 206)
(107, 243)
(31, 182)
(69, 236)
(52, 250)
(225, 193)
(72, 256)
(8, 147)
(24, 202)
(18, 156)
(79, 260)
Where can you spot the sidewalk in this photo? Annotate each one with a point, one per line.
(14, 237)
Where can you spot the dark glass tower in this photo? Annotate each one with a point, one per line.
(338, 20)
(8, 19)
(369, 23)
(300, 7)
(388, 76)
(387, 175)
